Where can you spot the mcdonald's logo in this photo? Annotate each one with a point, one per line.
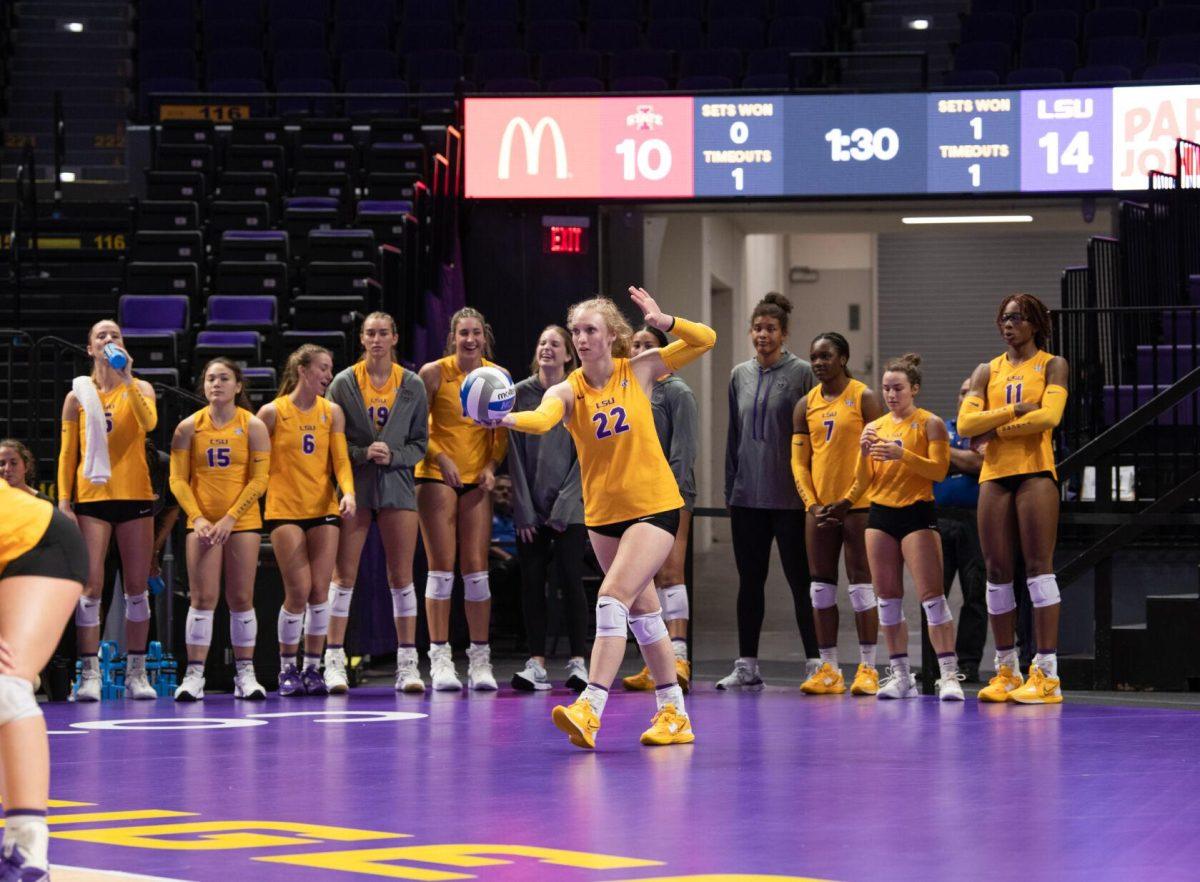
(532, 136)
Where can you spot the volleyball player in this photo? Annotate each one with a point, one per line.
(43, 563)
(18, 467)
(827, 425)
(548, 516)
(308, 444)
(454, 502)
(121, 506)
(1015, 402)
(386, 431)
(676, 422)
(902, 454)
(630, 496)
(759, 490)
(220, 457)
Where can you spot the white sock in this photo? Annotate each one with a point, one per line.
(899, 665)
(948, 665)
(866, 653)
(1008, 657)
(679, 647)
(829, 655)
(596, 696)
(672, 694)
(312, 661)
(285, 660)
(241, 663)
(1048, 662)
(30, 833)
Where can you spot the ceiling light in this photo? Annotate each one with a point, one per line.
(971, 219)
(919, 24)
(75, 27)
(67, 177)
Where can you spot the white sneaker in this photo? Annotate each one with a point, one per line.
(577, 674)
(137, 686)
(441, 670)
(811, 666)
(531, 678)
(87, 688)
(479, 669)
(408, 676)
(192, 687)
(336, 680)
(745, 676)
(246, 685)
(947, 688)
(895, 685)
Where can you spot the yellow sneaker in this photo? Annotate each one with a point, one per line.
(668, 726)
(1038, 689)
(639, 682)
(826, 680)
(580, 723)
(1002, 686)
(866, 681)
(683, 673)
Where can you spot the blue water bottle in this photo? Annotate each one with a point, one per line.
(116, 358)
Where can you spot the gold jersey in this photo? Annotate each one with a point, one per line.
(221, 459)
(469, 445)
(1017, 454)
(893, 482)
(300, 485)
(126, 450)
(23, 522)
(834, 428)
(379, 400)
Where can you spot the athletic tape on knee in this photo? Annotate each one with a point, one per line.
(404, 602)
(937, 611)
(289, 627)
(199, 626)
(137, 607)
(648, 628)
(862, 597)
(439, 585)
(1043, 590)
(316, 623)
(674, 603)
(891, 610)
(16, 700)
(476, 586)
(612, 618)
(87, 613)
(339, 600)
(243, 628)
(1000, 598)
(823, 594)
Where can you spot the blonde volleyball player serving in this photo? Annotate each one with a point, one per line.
(630, 497)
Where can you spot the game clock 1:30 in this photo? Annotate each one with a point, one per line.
(863, 144)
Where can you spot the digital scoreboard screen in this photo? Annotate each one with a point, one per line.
(900, 144)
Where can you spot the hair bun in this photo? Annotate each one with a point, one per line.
(777, 299)
(911, 358)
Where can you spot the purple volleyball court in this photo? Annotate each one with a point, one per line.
(777, 786)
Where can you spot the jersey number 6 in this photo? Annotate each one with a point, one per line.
(308, 443)
(617, 414)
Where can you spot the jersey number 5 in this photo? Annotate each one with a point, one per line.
(308, 443)
(617, 414)
(218, 457)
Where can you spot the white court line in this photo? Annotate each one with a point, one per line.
(64, 873)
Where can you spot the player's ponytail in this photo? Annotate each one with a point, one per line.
(302, 357)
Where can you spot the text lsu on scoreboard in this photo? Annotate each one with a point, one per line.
(682, 147)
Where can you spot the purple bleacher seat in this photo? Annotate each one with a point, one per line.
(246, 311)
(965, 78)
(642, 63)
(231, 10)
(1179, 48)
(167, 10)
(1060, 54)
(764, 81)
(711, 62)
(628, 10)
(1176, 70)
(166, 63)
(376, 12)
(154, 313)
(428, 10)
(676, 34)
(266, 245)
(992, 56)
(441, 65)
(479, 36)
(745, 34)
(237, 345)
(1035, 76)
(231, 35)
(1170, 20)
(553, 36)
(1121, 401)
(491, 10)
(495, 63)
(167, 34)
(368, 65)
(426, 36)
(1101, 73)
(575, 84)
(310, 203)
(999, 27)
(300, 34)
(704, 83)
(294, 10)
(361, 36)
(1054, 24)
(512, 84)
(235, 64)
(306, 63)
(797, 34)
(379, 105)
(571, 63)
(639, 83)
(1181, 326)
(265, 375)
(1166, 363)
(1118, 22)
(553, 10)
(368, 207)
(1127, 52)
(614, 35)
(305, 106)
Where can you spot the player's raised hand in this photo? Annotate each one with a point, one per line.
(650, 311)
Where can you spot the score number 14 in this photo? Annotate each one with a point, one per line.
(1077, 154)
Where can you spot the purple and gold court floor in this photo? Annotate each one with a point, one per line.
(777, 786)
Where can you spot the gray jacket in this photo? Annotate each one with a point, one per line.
(406, 433)
(676, 421)
(758, 452)
(544, 469)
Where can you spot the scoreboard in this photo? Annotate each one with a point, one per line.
(898, 144)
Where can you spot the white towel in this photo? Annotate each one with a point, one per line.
(96, 466)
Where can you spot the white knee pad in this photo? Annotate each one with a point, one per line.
(1043, 590)
(862, 597)
(891, 610)
(289, 627)
(674, 603)
(612, 618)
(823, 595)
(937, 611)
(199, 626)
(137, 607)
(439, 585)
(404, 602)
(648, 628)
(1000, 598)
(476, 587)
(316, 623)
(16, 700)
(243, 628)
(87, 613)
(339, 600)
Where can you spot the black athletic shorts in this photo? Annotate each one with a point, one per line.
(664, 520)
(1012, 483)
(304, 524)
(116, 511)
(899, 522)
(59, 554)
(461, 491)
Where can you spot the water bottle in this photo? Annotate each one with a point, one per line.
(116, 358)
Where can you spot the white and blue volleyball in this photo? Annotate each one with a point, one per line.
(487, 395)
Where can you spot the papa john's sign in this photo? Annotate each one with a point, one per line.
(594, 148)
